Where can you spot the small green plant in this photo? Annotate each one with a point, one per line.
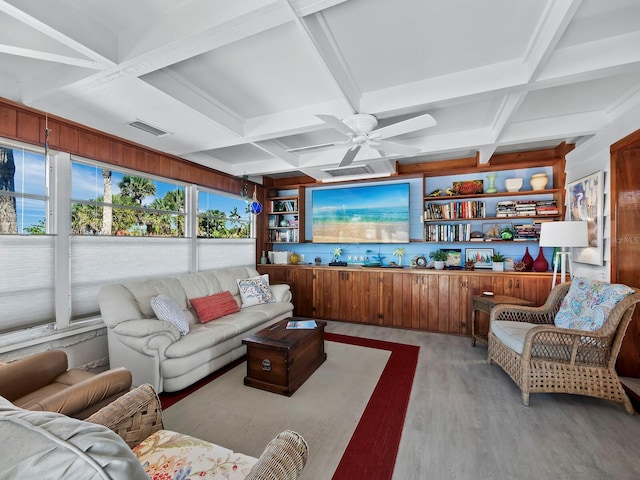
(439, 255)
(497, 257)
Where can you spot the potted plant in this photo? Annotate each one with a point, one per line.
(497, 262)
(439, 257)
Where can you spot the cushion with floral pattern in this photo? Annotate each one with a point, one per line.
(255, 290)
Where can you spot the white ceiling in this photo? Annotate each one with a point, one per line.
(238, 83)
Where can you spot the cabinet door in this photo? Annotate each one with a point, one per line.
(534, 288)
(302, 290)
(326, 292)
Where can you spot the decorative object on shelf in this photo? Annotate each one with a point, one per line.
(527, 260)
(540, 264)
(506, 234)
(513, 184)
(284, 222)
(439, 258)
(336, 253)
(255, 207)
(586, 201)
(244, 191)
(563, 234)
(449, 191)
(263, 258)
(476, 236)
(399, 252)
(480, 256)
(294, 258)
(509, 264)
(539, 181)
(317, 261)
(468, 187)
(375, 260)
(469, 265)
(497, 262)
(454, 258)
(436, 192)
(492, 232)
(421, 262)
(519, 266)
(492, 187)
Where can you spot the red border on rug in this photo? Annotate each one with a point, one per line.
(372, 450)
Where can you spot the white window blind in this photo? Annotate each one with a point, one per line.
(222, 253)
(27, 281)
(97, 261)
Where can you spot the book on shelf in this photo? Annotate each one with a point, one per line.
(301, 324)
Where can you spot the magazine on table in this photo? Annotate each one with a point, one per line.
(301, 324)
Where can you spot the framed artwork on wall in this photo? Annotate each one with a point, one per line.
(585, 200)
(481, 256)
(454, 257)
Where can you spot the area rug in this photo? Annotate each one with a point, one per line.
(351, 410)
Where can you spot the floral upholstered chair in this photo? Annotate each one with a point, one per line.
(568, 345)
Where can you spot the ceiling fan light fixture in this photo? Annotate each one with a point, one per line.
(362, 123)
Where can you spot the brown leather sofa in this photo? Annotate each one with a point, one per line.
(43, 382)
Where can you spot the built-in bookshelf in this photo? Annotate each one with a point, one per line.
(284, 217)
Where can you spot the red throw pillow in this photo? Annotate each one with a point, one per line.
(214, 306)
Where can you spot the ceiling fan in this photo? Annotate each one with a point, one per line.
(359, 128)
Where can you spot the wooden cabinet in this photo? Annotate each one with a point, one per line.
(415, 299)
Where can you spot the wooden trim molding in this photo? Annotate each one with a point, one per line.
(25, 124)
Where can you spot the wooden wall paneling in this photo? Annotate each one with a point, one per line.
(374, 298)
(87, 144)
(28, 127)
(63, 137)
(103, 149)
(8, 122)
(117, 154)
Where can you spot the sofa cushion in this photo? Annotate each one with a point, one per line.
(167, 454)
(144, 290)
(47, 445)
(168, 310)
(214, 306)
(588, 303)
(255, 290)
(511, 334)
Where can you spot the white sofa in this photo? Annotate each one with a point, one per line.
(156, 352)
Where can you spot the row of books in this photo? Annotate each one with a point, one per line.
(284, 206)
(526, 208)
(447, 233)
(287, 236)
(452, 210)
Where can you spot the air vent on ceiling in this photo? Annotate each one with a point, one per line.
(145, 127)
(347, 171)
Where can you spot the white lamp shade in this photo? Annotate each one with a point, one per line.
(564, 234)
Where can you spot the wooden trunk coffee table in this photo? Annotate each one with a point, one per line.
(279, 360)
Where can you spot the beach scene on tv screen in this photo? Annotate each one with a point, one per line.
(370, 214)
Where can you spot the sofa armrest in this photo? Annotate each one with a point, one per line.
(134, 416)
(26, 375)
(81, 396)
(281, 292)
(147, 327)
(284, 458)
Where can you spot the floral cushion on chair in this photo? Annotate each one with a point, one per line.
(588, 303)
(169, 455)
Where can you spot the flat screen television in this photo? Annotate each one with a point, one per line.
(367, 214)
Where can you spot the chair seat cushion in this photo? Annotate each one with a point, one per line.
(511, 334)
(167, 454)
(588, 303)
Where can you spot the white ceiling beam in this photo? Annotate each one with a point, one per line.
(308, 7)
(572, 125)
(275, 149)
(553, 22)
(485, 153)
(51, 57)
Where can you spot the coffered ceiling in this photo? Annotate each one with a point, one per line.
(236, 84)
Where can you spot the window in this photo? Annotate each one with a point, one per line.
(23, 191)
(222, 216)
(109, 202)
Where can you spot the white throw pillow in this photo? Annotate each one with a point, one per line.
(255, 290)
(168, 310)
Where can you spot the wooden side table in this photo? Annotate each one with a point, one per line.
(485, 304)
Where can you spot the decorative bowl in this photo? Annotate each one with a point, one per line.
(513, 184)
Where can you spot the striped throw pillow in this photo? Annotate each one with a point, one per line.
(167, 309)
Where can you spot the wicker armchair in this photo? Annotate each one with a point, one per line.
(138, 415)
(550, 359)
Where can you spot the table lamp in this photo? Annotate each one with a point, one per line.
(564, 235)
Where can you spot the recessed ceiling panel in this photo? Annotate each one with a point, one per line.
(269, 72)
(383, 49)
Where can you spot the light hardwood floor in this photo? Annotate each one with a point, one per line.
(466, 421)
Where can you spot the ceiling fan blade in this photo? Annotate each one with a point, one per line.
(336, 124)
(349, 156)
(392, 147)
(406, 126)
(322, 146)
